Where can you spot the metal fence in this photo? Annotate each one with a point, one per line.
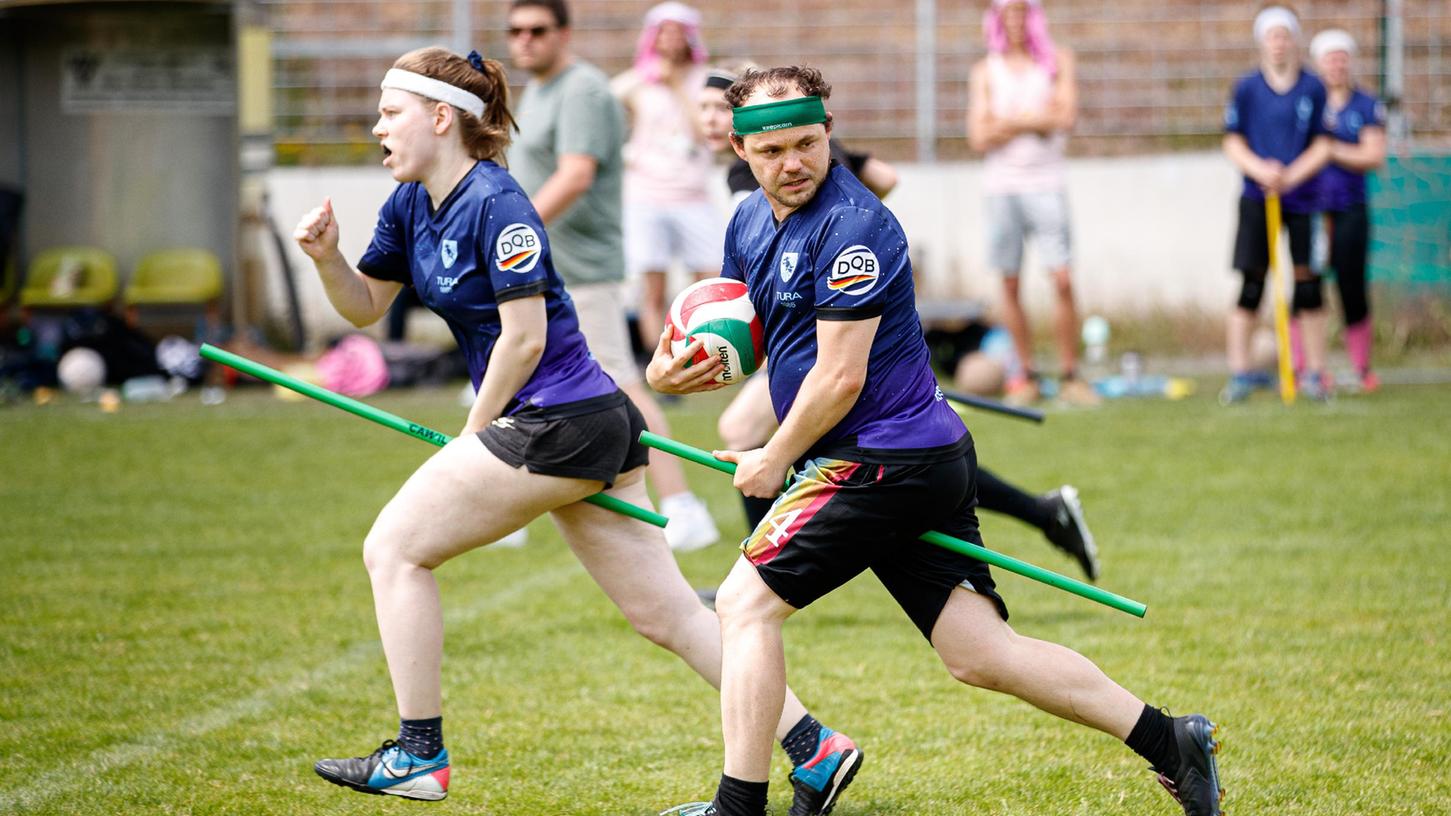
(1153, 74)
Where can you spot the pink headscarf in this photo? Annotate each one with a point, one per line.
(1040, 45)
(647, 62)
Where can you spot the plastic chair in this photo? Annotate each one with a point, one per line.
(175, 277)
(69, 277)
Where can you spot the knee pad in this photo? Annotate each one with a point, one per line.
(1309, 295)
(1251, 292)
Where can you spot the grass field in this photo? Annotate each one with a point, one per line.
(185, 623)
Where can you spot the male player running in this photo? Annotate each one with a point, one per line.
(878, 458)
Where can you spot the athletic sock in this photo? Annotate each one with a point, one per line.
(737, 797)
(421, 738)
(800, 742)
(1153, 739)
(1357, 345)
(1000, 497)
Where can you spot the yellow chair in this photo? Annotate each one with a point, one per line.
(69, 277)
(175, 277)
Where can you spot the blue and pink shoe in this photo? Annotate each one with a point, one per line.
(390, 770)
(820, 780)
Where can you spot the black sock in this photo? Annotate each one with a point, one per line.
(1000, 497)
(736, 797)
(800, 742)
(1153, 739)
(756, 509)
(421, 738)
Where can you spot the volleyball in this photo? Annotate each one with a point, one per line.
(718, 312)
(81, 370)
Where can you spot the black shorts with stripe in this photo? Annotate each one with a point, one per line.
(839, 518)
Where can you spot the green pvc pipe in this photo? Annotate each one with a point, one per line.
(957, 545)
(388, 420)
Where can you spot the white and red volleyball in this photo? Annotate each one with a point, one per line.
(718, 312)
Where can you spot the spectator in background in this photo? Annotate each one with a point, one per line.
(1275, 135)
(1356, 121)
(1024, 100)
(668, 213)
(568, 159)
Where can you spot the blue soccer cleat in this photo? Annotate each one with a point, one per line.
(390, 770)
(820, 780)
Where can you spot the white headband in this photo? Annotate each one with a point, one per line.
(433, 89)
(1276, 17)
(1331, 39)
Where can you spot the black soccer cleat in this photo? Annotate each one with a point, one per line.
(390, 770)
(1068, 531)
(1195, 786)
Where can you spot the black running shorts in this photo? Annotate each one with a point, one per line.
(839, 518)
(1252, 244)
(599, 444)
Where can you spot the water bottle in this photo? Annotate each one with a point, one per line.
(145, 389)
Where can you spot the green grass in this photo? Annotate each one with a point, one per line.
(185, 623)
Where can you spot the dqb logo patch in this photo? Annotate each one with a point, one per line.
(517, 249)
(448, 250)
(854, 272)
(788, 265)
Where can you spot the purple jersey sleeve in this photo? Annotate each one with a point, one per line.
(511, 238)
(858, 260)
(729, 266)
(1235, 112)
(387, 254)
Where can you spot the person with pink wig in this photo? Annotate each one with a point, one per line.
(1023, 102)
(669, 216)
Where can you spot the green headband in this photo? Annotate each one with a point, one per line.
(788, 113)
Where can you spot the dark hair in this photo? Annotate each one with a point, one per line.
(556, 7)
(778, 82)
(485, 138)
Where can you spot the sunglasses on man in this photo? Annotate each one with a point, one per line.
(533, 31)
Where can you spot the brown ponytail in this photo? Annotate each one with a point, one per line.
(485, 138)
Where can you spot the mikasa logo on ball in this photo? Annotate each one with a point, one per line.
(854, 272)
(517, 249)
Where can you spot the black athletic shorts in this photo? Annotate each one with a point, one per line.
(839, 518)
(1251, 242)
(592, 439)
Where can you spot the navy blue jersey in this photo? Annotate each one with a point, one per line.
(843, 256)
(1341, 189)
(484, 246)
(1278, 126)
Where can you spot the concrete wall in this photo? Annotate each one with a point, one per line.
(1149, 233)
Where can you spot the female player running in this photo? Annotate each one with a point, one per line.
(1357, 122)
(548, 428)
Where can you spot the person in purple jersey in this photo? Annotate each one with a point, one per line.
(1275, 135)
(1357, 121)
(547, 430)
(877, 458)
